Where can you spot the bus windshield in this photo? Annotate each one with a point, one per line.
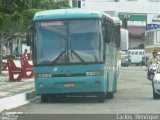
(66, 42)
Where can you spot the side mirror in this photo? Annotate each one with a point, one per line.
(29, 36)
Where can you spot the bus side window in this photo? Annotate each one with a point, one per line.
(109, 31)
(106, 31)
(117, 36)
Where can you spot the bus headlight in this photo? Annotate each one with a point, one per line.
(43, 75)
(96, 73)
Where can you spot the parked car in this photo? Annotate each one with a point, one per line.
(156, 83)
(125, 60)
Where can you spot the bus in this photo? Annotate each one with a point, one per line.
(152, 42)
(74, 53)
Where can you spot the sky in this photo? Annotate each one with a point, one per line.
(140, 6)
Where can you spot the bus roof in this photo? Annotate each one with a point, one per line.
(66, 14)
(115, 20)
(72, 14)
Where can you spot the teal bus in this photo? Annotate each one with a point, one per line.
(75, 53)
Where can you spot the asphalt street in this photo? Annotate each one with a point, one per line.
(134, 95)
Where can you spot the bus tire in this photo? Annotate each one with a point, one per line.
(101, 97)
(58, 98)
(44, 98)
(109, 95)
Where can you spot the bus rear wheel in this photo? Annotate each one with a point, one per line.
(44, 98)
(101, 97)
(58, 97)
(109, 95)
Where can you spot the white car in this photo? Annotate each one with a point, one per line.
(156, 83)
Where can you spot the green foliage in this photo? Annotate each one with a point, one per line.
(28, 16)
(16, 15)
(51, 4)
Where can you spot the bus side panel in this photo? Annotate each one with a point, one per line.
(111, 62)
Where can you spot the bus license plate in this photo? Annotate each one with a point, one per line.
(69, 85)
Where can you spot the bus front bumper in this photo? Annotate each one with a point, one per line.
(70, 85)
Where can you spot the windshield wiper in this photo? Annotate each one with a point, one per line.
(58, 57)
(78, 56)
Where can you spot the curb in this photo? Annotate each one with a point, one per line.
(16, 100)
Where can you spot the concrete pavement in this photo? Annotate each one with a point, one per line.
(134, 95)
(14, 94)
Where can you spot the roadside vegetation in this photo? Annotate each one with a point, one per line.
(17, 15)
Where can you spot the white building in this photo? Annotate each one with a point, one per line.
(129, 8)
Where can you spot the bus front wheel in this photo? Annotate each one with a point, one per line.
(101, 97)
(44, 98)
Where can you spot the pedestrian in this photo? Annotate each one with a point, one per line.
(25, 53)
(16, 52)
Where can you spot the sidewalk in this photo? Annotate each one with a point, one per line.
(14, 94)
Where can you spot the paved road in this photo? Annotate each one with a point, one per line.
(134, 95)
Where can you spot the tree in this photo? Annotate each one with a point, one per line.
(11, 20)
(17, 15)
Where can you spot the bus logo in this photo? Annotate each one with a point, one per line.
(52, 23)
(55, 69)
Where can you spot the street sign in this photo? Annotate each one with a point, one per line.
(132, 17)
(153, 21)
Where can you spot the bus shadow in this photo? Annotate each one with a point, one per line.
(83, 99)
(76, 100)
